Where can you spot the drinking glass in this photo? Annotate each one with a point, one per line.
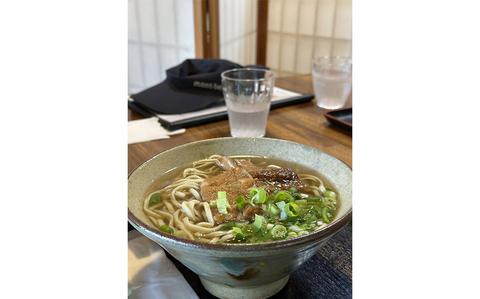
(332, 81)
(248, 93)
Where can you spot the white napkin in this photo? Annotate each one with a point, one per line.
(151, 275)
(148, 129)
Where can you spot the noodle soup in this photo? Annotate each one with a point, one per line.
(240, 199)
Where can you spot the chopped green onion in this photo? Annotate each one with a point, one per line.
(314, 198)
(278, 232)
(166, 229)
(241, 224)
(287, 210)
(295, 194)
(325, 215)
(281, 206)
(240, 202)
(310, 217)
(291, 209)
(304, 226)
(301, 202)
(227, 226)
(259, 220)
(283, 196)
(294, 228)
(258, 195)
(330, 194)
(238, 233)
(154, 199)
(272, 210)
(222, 202)
(292, 234)
(293, 190)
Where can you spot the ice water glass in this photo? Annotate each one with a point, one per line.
(248, 93)
(332, 81)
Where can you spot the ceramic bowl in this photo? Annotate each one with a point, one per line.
(241, 270)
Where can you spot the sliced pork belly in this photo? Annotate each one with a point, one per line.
(238, 178)
(273, 178)
(235, 182)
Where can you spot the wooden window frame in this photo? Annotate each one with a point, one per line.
(262, 28)
(207, 29)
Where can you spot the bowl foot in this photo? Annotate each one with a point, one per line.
(252, 292)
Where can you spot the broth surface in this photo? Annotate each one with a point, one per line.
(252, 200)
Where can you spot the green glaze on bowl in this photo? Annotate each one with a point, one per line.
(241, 270)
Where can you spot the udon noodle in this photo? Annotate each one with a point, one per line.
(180, 209)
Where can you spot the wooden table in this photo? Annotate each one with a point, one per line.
(328, 274)
(302, 123)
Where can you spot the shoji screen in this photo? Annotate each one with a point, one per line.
(160, 35)
(238, 30)
(301, 29)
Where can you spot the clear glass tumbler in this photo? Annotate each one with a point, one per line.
(332, 81)
(248, 93)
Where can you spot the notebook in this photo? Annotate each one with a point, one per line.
(281, 97)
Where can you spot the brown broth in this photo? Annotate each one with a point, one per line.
(248, 233)
(176, 173)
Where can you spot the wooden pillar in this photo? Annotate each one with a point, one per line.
(207, 29)
(262, 24)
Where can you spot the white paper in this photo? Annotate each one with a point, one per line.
(151, 275)
(278, 94)
(148, 129)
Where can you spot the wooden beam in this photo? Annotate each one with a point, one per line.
(207, 28)
(214, 29)
(199, 25)
(262, 27)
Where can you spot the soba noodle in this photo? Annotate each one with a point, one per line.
(178, 207)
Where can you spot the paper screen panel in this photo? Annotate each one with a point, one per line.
(298, 30)
(160, 35)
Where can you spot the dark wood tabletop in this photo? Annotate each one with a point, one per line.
(328, 274)
(303, 123)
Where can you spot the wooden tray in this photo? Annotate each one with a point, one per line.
(341, 117)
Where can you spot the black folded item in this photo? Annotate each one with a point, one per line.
(215, 113)
(193, 85)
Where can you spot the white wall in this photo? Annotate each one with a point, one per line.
(238, 30)
(160, 35)
(298, 30)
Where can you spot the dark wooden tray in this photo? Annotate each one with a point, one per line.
(341, 117)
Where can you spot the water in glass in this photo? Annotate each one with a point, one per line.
(247, 119)
(247, 93)
(332, 82)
